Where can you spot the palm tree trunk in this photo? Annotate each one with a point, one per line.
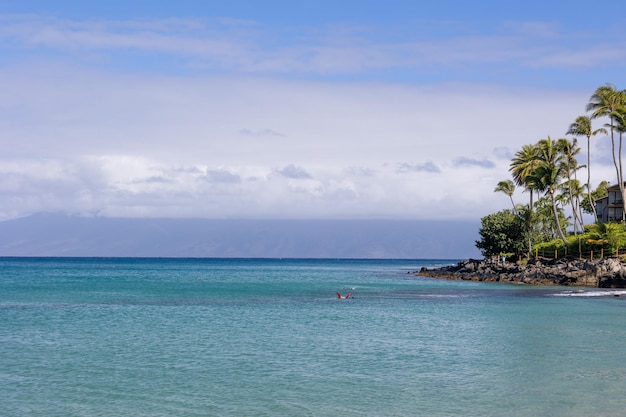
(618, 168)
(575, 215)
(572, 203)
(593, 206)
(556, 218)
(576, 202)
(620, 178)
(613, 151)
(580, 213)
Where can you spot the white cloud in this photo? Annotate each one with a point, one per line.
(166, 146)
(81, 132)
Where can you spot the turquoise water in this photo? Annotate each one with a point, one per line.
(198, 337)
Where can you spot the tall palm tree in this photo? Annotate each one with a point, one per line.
(619, 118)
(548, 176)
(605, 102)
(577, 191)
(522, 167)
(507, 187)
(582, 127)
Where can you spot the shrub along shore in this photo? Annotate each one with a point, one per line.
(602, 273)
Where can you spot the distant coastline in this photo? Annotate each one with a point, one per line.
(601, 273)
(57, 234)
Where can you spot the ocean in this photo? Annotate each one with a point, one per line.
(269, 337)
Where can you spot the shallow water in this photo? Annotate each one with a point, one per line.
(194, 337)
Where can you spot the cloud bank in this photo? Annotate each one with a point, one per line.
(222, 118)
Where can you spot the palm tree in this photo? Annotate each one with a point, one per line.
(544, 218)
(619, 118)
(588, 203)
(582, 127)
(577, 191)
(522, 167)
(606, 101)
(507, 187)
(548, 175)
(569, 150)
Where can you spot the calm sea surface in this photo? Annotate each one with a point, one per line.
(218, 337)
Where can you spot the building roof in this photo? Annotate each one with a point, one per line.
(614, 187)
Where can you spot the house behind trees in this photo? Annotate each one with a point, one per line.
(611, 207)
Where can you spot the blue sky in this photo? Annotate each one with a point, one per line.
(281, 109)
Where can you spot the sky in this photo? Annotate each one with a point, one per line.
(295, 110)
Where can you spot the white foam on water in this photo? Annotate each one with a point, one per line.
(592, 293)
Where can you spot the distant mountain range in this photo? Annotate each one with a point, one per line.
(48, 234)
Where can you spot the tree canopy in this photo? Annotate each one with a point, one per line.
(549, 169)
(502, 233)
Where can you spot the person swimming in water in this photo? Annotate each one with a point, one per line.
(348, 295)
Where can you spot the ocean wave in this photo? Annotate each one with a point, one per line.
(592, 293)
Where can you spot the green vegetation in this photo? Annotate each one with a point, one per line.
(598, 240)
(549, 169)
(588, 205)
(502, 233)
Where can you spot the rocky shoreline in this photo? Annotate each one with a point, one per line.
(602, 273)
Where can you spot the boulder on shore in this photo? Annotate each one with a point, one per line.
(604, 273)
